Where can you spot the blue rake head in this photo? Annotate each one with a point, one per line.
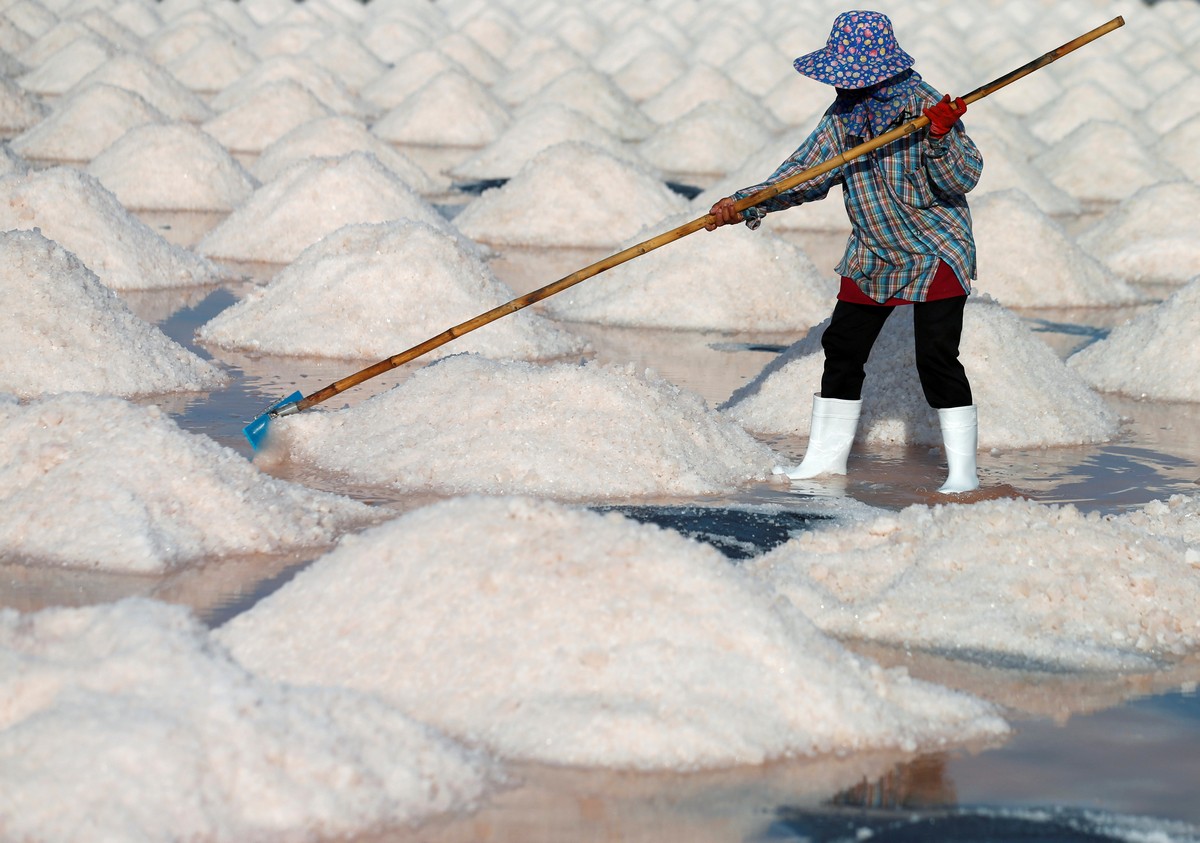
(256, 431)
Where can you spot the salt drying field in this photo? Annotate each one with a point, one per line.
(541, 583)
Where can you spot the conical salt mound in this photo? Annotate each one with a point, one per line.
(127, 679)
(1026, 395)
(311, 200)
(85, 123)
(700, 84)
(1016, 580)
(303, 71)
(650, 71)
(572, 194)
(212, 65)
(1028, 260)
(600, 99)
(534, 130)
(1151, 235)
(74, 209)
(566, 431)
(331, 137)
(61, 330)
(1005, 170)
(1151, 356)
(1178, 148)
(452, 109)
(19, 109)
(374, 290)
(711, 139)
(269, 113)
(343, 55)
(408, 76)
(686, 663)
(1128, 163)
(156, 86)
(725, 280)
(1174, 106)
(535, 73)
(97, 502)
(1085, 103)
(66, 68)
(172, 167)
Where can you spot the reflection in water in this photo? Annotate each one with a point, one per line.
(920, 783)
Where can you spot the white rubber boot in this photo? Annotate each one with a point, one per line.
(834, 423)
(960, 437)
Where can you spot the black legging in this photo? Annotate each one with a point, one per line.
(938, 327)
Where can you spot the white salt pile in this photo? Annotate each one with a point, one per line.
(537, 71)
(79, 491)
(192, 745)
(267, 114)
(1103, 162)
(61, 330)
(1040, 584)
(407, 76)
(211, 64)
(1027, 397)
(299, 70)
(156, 86)
(1005, 169)
(1178, 517)
(172, 166)
(700, 84)
(712, 138)
(451, 109)
(565, 431)
(722, 280)
(1178, 147)
(375, 290)
(1028, 260)
(19, 110)
(85, 123)
(1150, 236)
(68, 66)
(569, 637)
(10, 162)
(310, 200)
(650, 71)
(600, 99)
(1087, 102)
(331, 137)
(537, 128)
(75, 210)
(571, 194)
(1155, 355)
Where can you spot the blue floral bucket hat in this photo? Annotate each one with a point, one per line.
(861, 51)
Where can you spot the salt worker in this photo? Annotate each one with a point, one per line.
(910, 244)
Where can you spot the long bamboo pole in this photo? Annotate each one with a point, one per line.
(650, 245)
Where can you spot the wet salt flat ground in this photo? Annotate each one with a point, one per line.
(1089, 753)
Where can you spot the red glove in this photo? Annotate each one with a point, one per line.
(943, 115)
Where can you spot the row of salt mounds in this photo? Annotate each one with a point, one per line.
(1151, 235)
(720, 280)
(713, 138)
(1028, 260)
(172, 167)
(75, 210)
(370, 290)
(269, 112)
(84, 124)
(333, 137)
(633, 646)
(536, 129)
(565, 431)
(310, 200)
(1041, 584)
(1027, 397)
(61, 330)
(571, 194)
(1155, 355)
(193, 745)
(80, 492)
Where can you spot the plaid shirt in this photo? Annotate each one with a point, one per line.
(906, 202)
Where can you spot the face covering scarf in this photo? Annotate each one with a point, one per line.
(878, 106)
